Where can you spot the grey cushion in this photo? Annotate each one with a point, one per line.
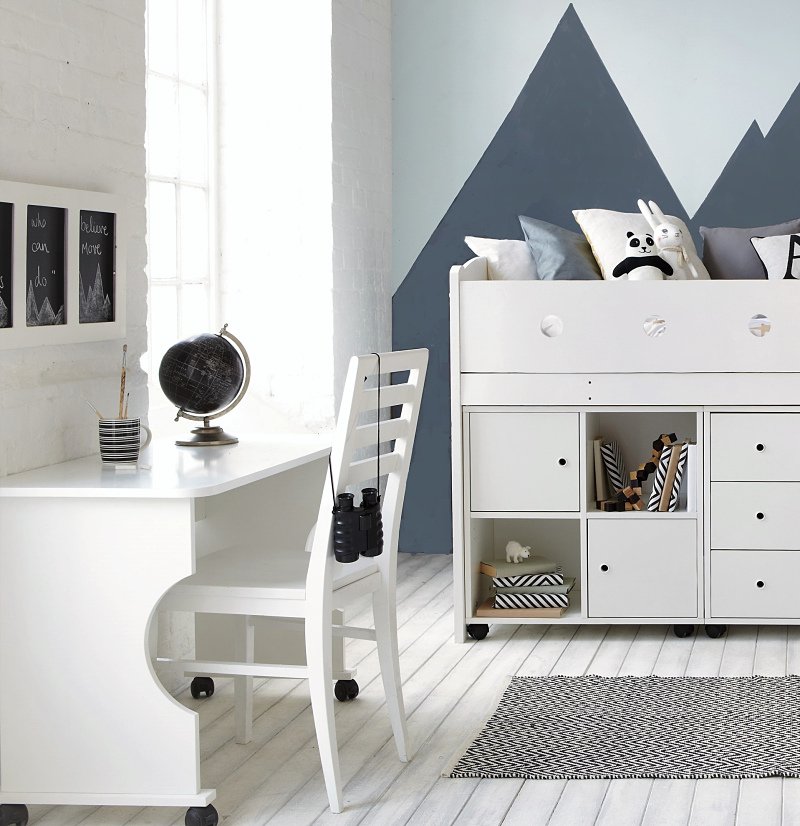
(560, 255)
(728, 253)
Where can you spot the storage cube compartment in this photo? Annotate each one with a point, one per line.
(755, 447)
(754, 584)
(523, 461)
(643, 568)
(634, 432)
(555, 539)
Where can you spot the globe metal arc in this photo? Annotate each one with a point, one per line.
(205, 377)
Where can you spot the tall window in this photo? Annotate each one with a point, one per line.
(181, 217)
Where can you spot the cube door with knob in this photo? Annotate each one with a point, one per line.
(753, 584)
(642, 567)
(524, 461)
(753, 515)
(755, 447)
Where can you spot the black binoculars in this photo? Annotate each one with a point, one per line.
(357, 530)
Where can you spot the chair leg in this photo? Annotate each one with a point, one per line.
(384, 611)
(319, 645)
(243, 684)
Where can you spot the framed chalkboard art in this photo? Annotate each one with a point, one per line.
(61, 279)
(6, 264)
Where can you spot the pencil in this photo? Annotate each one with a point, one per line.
(99, 414)
(127, 399)
(122, 380)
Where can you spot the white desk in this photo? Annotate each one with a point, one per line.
(86, 553)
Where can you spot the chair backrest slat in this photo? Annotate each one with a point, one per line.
(391, 395)
(367, 434)
(364, 469)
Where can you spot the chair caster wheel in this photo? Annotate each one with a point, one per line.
(345, 690)
(478, 632)
(201, 685)
(201, 816)
(715, 631)
(13, 814)
(683, 630)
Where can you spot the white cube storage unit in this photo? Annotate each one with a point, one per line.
(527, 406)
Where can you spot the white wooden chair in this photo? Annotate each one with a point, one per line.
(313, 587)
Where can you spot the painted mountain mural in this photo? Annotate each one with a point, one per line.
(760, 184)
(568, 142)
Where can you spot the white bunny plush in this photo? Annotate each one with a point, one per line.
(516, 553)
(669, 242)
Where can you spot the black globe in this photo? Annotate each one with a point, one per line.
(201, 374)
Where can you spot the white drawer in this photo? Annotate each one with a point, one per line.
(755, 515)
(642, 567)
(755, 447)
(522, 461)
(755, 584)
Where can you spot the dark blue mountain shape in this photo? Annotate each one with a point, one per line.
(568, 142)
(760, 184)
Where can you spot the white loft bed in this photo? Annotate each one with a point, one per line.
(706, 367)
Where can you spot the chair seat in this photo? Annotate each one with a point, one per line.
(250, 572)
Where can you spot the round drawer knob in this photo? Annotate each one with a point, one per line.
(562, 462)
(760, 583)
(759, 446)
(759, 515)
(604, 568)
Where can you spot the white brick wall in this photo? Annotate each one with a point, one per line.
(362, 180)
(72, 114)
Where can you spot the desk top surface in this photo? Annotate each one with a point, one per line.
(167, 471)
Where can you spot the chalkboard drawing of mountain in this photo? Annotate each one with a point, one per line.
(760, 182)
(41, 316)
(5, 320)
(95, 305)
(569, 142)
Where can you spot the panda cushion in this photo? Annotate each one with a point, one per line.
(607, 233)
(642, 262)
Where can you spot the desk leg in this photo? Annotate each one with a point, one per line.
(83, 718)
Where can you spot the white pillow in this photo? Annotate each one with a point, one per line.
(607, 233)
(779, 254)
(508, 260)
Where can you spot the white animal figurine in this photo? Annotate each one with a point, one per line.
(516, 553)
(669, 242)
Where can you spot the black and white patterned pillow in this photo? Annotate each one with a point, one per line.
(779, 254)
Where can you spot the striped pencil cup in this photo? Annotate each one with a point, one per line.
(120, 440)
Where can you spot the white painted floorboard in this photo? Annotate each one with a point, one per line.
(449, 689)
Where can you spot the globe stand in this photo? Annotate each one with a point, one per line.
(208, 436)
(215, 436)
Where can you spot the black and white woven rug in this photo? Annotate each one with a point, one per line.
(669, 727)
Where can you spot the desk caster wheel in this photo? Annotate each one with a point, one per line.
(345, 690)
(478, 632)
(13, 814)
(683, 630)
(197, 816)
(715, 631)
(201, 685)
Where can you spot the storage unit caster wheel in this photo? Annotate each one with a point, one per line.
(345, 690)
(13, 814)
(478, 632)
(683, 630)
(201, 816)
(201, 685)
(715, 631)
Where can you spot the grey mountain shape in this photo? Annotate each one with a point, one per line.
(760, 184)
(95, 305)
(568, 142)
(41, 316)
(4, 314)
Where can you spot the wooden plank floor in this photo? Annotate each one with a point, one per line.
(448, 689)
